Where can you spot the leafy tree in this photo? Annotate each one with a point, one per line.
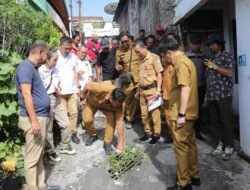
(21, 25)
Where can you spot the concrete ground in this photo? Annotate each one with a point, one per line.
(87, 170)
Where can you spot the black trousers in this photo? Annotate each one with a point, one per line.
(222, 120)
(201, 96)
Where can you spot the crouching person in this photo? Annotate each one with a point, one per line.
(108, 99)
(50, 79)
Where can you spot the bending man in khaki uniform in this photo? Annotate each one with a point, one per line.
(124, 57)
(108, 99)
(150, 79)
(183, 113)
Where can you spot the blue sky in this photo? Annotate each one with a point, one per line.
(92, 8)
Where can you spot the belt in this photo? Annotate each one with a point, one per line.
(148, 86)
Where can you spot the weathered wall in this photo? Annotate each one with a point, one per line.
(145, 14)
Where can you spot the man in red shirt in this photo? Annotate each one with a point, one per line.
(94, 48)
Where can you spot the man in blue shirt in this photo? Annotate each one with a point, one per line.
(33, 118)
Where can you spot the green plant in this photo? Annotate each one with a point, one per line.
(10, 134)
(120, 163)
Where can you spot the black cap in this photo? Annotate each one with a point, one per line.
(214, 37)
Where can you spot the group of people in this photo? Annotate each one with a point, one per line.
(118, 78)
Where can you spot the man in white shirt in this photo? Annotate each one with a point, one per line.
(85, 75)
(67, 67)
(50, 78)
(84, 67)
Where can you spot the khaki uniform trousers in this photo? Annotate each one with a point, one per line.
(88, 120)
(58, 113)
(33, 151)
(166, 110)
(70, 103)
(146, 116)
(131, 103)
(186, 152)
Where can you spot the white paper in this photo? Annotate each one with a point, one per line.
(154, 102)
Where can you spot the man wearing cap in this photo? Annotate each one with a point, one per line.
(219, 74)
(196, 55)
(127, 62)
(106, 61)
(183, 111)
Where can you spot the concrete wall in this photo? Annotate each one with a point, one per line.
(145, 14)
(242, 9)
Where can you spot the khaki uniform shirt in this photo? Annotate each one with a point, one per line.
(166, 81)
(149, 68)
(98, 97)
(124, 55)
(184, 74)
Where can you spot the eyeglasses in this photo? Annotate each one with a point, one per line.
(124, 42)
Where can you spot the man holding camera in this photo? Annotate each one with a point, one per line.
(127, 64)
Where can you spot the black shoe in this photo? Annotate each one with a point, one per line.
(75, 139)
(154, 140)
(144, 138)
(200, 137)
(168, 140)
(194, 181)
(108, 149)
(177, 187)
(90, 140)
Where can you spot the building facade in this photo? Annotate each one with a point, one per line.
(133, 15)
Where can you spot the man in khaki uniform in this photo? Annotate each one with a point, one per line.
(183, 113)
(123, 57)
(108, 99)
(166, 87)
(150, 79)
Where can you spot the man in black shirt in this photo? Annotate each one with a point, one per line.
(106, 61)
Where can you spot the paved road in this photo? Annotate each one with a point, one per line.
(87, 170)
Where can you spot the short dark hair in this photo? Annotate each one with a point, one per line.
(142, 30)
(151, 36)
(118, 95)
(74, 36)
(38, 45)
(131, 37)
(140, 43)
(122, 34)
(171, 44)
(115, 38)
(66, 39)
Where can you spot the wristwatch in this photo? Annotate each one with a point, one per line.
(181, 114)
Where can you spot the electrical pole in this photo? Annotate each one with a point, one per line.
(70, 19)
(80, 13)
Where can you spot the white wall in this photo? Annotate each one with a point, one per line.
(242, 8)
